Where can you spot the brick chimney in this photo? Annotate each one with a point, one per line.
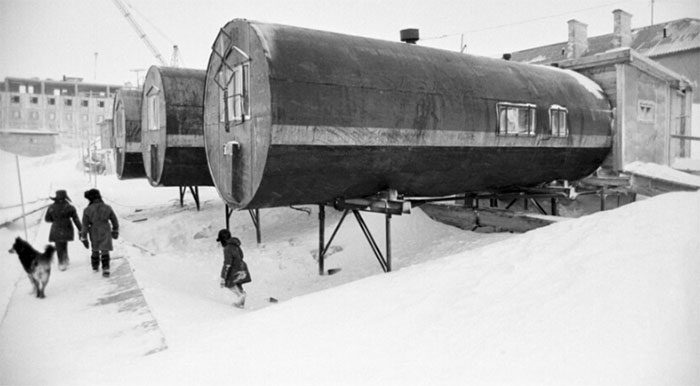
(622, 33)
(578, 39)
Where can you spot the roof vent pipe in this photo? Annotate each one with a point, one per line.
(409, 35)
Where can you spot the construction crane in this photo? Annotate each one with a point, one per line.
(122, 7)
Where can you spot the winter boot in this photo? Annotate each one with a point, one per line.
(95, 261)
(105, 264)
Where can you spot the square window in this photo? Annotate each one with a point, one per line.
(84, 103)
(100, 103)
(68, 102)
(14, 99)
(52, 101)
(16, 114)
(34, 115)
(84, 117)
(646, 111)
(557, 121)
(34, 100)
(100, 119)
(69, 117)
(516, 118)
(52, 116)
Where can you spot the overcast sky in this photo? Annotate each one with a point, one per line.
(52, 38)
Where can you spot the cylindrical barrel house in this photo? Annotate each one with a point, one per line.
(298, 116)
(171, 117)
(127, 134)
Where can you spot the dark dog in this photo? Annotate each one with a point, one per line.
(36, 264)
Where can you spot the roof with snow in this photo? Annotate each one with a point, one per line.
(680, 35)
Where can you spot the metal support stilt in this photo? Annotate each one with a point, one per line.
(255, 216)
(321, 241)
(370, 240)
(182, 190)
(555, 211)
(229, 211)
(195, 195)
(602, 199)
(388, 242)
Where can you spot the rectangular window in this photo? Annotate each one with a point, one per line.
(69, 117)
(557, 121)
(34, 115)
(52, 116)
(30, 89)
(34, 100)
(68, 102)
(22, 89)
(236, 100)
(14, 99)
(100, 103)
(52, 101)
(16, 114)
(84, 117)
(84, 103)
(646, 111)
(152, 107)
(516, 118)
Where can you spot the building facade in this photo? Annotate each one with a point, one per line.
(649, 74)
(70, 107)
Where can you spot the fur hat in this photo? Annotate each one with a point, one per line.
(61, 195)
(92, 195)
(224, 235)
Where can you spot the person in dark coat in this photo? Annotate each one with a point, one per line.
(235, 272)
(100, 222)
(60, 214)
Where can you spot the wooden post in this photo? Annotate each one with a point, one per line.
(321, 240)
(21, 198)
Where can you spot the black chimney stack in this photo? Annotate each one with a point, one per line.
(506, 56)
(409, 35)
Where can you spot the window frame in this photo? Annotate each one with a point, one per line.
(236, 99)
(650, 115)
(559, 112)
(517, 107)
(152, 108)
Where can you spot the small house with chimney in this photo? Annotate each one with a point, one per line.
(648, 74)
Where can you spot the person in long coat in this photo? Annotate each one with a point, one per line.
(234, 272)
(100, 222)
(60, 214)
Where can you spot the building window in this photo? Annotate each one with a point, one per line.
(22, 89)
(235, 98)
(84, 117)
(34, 115)
(14, 99)
(557, 121)
(84, 103)
(646, 111)
(69, 117)
(52, 116)
(516, 118)
(34, 100)
(152, 111)
(16, 114)
(52, 101)
(100, 119)
(68, 102)
(100, 103)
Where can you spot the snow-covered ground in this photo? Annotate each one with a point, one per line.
(611, 298)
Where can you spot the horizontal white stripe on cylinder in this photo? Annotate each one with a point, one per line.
(133, 147)
(184, 140)
(374, 136)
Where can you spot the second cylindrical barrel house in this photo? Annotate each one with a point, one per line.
(171, 119)
(127, 134)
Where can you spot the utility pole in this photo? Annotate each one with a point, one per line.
(138, 78)
(652, 12)
(95, 74)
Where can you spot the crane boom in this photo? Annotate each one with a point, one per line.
(139, 31)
